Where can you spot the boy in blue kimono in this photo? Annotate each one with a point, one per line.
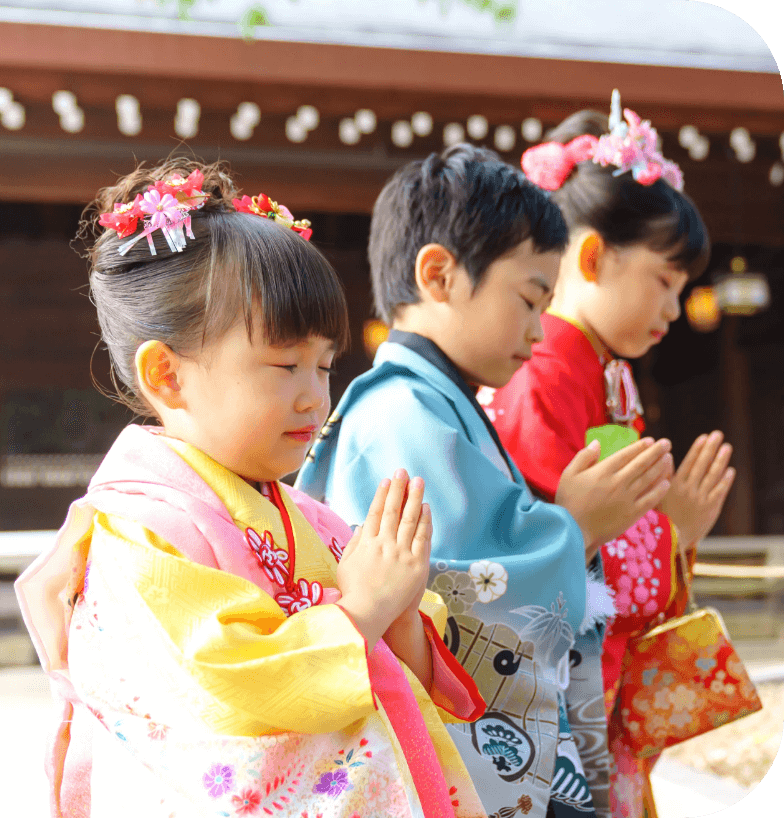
(464, 257)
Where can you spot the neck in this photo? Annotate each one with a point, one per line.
(417, 323)
(568, 303)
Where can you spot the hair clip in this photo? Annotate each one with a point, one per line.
(548, 165)
(630, 146)
(263, 206)
(165, 206)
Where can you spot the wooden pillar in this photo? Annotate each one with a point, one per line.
(739, 509)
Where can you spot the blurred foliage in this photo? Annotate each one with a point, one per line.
(253, 16)
(503, 11)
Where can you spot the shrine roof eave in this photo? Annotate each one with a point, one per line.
(398, 70)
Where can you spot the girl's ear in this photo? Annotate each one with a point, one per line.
(591, 251)
(435, 269)
(156, 374)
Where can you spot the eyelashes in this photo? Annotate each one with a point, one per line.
(293, 368)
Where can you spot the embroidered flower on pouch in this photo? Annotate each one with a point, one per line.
(247, 802)
(304, 595)
(219, 780)
(680, 718)
(661, 699)
(272, 559)
(489, 580)
(457, 590)
(333, 783)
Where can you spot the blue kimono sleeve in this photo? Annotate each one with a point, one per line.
(479, 512)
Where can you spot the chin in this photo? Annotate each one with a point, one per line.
(498, 380)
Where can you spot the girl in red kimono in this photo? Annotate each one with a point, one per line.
(635, 241)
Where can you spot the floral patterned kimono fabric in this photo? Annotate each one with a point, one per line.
(511, 568)
(185, 621)
(542, 416)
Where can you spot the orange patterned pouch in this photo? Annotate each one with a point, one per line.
(681, 679)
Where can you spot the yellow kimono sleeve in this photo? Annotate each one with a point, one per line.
(265, 673)
(433, 606)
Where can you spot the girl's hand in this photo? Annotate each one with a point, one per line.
(607, 498)
(699, 488)
(384, 568)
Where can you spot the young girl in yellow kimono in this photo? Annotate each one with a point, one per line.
(218, 643)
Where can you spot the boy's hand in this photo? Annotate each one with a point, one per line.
(384, 569)
(699, 488)
(607, 498)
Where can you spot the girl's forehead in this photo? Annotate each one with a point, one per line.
(310, 343)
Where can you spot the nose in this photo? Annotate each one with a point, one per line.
(314, 396)
(672, 309)
(535, 333)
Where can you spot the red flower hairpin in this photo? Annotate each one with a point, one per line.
(263, 206)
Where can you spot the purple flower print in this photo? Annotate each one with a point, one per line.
(219, 780)
(86, 577)
(334, 783)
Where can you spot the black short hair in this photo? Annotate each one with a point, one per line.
(466, 199)
(625, 212)
(235, 264)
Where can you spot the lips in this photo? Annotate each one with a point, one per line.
(303, 435)
(658, 334)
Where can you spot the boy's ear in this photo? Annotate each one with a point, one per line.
(591, 252)
(156, 374)
(434, 270)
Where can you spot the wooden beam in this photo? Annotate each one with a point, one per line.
(390, 70)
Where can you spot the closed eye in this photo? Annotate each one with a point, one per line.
(328, 369)
(291, 367)
(529, 303)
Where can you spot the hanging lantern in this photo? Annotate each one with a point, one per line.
(741, 292)
(374, 333)
(702, 309)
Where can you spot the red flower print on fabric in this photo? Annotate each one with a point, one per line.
(155, 731)
(272, 559)
(247, 802)
(304, 595)
(337, 549)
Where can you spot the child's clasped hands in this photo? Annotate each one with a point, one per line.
(383, 573)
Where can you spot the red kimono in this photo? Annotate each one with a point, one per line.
(542, 416)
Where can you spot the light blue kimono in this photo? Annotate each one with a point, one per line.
(510, 568)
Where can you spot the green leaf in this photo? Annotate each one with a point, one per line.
(506, 14)
(184, 7)
(253, 17)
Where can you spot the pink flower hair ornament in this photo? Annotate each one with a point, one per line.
(167, 204)
(630, 146)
